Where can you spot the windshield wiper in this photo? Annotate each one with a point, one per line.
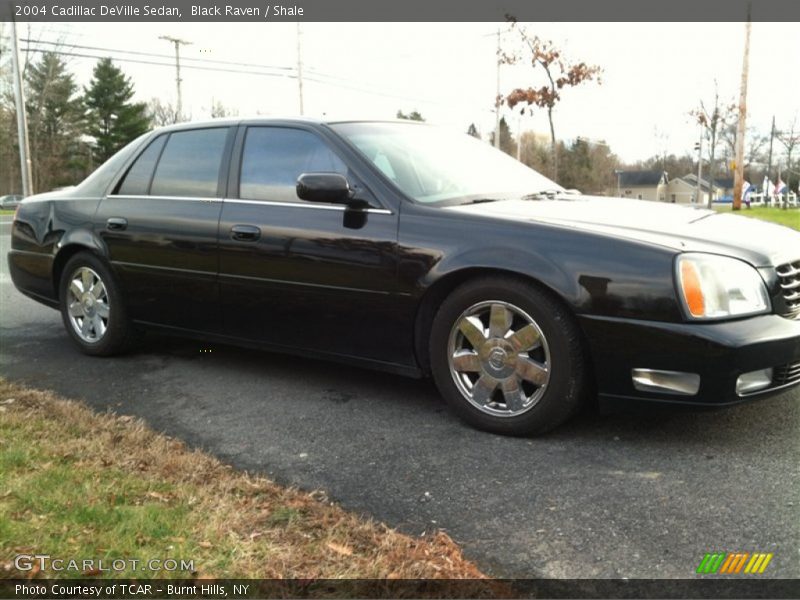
(546, 194)
(481, 201)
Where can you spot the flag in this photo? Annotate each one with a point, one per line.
(780, 187)
(747, 189)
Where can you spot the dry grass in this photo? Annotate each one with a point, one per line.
(74, 483)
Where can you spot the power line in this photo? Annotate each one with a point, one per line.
(154, 63)
(288, 71)
(186, 58)
(288, 75)
(154, 55)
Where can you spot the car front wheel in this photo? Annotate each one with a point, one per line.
(507, 357)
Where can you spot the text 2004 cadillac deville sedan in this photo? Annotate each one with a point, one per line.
(405, 248)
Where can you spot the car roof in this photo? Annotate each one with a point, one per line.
(275, 120)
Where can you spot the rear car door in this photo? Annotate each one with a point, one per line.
(160, 227)
(306, 275)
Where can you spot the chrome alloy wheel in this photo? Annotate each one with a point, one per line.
(87, 302)
(498, 358)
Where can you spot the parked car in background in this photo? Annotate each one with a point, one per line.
(403, 247)
(10, 202)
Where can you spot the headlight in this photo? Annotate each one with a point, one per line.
(715, 287)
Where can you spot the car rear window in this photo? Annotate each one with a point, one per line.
(137, 180)
(190, 164)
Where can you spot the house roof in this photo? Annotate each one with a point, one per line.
(641, 178)
(691, 179)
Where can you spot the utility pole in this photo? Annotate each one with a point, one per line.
(771, 139)
(497, 97)
(178, 43)
(299, 69)
(22, 117)
(738, 177)
(699, 164)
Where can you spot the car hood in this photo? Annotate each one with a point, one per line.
(683, 228)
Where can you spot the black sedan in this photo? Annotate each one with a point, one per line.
(403, 247)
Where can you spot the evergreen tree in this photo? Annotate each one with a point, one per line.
(473, 131)
(113, 119)
(507, 142)
(412, 116)
(55, 119)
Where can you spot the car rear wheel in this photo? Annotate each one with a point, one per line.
(92, 308)
(507, 357)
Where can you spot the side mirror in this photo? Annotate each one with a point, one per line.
(323, 187)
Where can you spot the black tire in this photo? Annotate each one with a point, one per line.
(560, 395)
(118, 334)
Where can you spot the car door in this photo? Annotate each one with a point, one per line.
(305, 275)
(160, 228)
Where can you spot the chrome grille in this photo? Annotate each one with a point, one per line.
(789, 280)
(786, 374)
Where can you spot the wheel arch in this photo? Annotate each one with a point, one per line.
(71, 244)
(442, 287)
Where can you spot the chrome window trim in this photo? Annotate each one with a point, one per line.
(183, 198)
(336, 207)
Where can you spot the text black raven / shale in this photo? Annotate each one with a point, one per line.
(227, 10)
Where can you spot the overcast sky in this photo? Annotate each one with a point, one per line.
(653, 73)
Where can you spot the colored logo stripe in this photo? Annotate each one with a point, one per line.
(733, 562)
(758, 563)
(711, 562)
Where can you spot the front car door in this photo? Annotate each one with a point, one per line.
(160, 226)
(308, 276)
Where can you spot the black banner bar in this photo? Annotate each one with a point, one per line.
(712, 587)
(399, 10)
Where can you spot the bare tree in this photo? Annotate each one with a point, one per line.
(713, 120)
(790, 139)
(219, 110)
(543, 56)
(161, 113)
(756, 142)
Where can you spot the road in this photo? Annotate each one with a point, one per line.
(624, 495)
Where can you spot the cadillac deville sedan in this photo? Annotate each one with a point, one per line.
(403, 247)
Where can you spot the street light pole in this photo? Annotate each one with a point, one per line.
(22, 117)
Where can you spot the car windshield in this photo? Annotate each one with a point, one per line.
(435, 166)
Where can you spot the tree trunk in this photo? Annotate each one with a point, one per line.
(553, 149)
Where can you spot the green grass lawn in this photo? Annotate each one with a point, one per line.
(75, 484)
(6, 212)
(789, 217)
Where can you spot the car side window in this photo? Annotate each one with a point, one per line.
(274, 157)
(137, 179)
(190, 163)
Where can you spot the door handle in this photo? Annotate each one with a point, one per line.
(117, 224)
(245, 233)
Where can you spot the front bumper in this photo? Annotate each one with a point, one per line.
(718, 352)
